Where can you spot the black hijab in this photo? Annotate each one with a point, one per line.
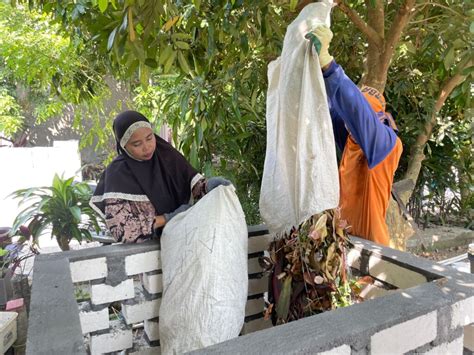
(164, 180)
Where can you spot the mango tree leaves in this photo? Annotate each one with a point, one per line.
(103, 4)
(222, 49)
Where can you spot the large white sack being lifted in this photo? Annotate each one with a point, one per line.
(300, 176)
(205, 280)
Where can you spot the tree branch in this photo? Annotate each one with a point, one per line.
(6, 139)
(398, 25)
(417, 151)
(450, 85)
(376, 16)
(369, 32)
(442, 6)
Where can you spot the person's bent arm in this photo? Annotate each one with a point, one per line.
(375, 139)
(348, 104)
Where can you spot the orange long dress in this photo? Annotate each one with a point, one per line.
(365, 193)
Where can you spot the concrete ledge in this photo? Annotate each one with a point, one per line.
(110, 251)
(54, 325)
(412, 309)
(55, 310)
(434, 311)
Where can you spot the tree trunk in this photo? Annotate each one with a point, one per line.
(398, 227)
(381, 47)
(417, 150)
(63, 242)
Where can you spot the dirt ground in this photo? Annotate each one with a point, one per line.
(440, 242)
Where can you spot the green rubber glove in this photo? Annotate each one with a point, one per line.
(321, 37)
(314, 41)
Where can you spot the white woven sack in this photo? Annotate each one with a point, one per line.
(300, 176)
(204, 261)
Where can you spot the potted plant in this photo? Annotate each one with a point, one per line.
(12, 254)
(63, 208)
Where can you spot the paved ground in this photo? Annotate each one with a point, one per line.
(463, 266)
(439, 243)
(440, 236)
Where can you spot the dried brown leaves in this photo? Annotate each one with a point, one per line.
(308, 268)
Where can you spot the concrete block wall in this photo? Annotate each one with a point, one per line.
(130, 275)
(141, 303)
(432, 310)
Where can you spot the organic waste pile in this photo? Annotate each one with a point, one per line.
(309, 271)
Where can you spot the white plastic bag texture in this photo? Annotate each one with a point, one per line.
(205, 279)
(300, 176)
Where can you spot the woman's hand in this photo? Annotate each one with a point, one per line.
(160, 221)
(213, 182)
(182, 208)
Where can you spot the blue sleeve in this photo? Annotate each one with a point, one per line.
(375, 139)
(339, 129)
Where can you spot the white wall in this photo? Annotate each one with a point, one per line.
(31, 167)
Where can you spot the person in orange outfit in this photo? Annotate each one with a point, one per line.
(367, 137)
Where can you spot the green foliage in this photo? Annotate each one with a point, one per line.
(205, 64)
(63, 207)
(212, 58)
(445, 190)
(202, 68)
(11, 119)
(43, 68)
(436, 47)
(33, 56)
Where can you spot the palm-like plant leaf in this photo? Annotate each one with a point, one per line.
(63, 207)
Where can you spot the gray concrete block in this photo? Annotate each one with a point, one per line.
(414, 332)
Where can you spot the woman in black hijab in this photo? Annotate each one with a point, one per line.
(147, 183)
